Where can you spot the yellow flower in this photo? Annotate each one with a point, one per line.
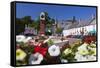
(20, 54)
(83, 52)
(67, 51)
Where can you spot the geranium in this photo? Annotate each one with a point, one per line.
(20, 54)
(35, 58)
(89, 39)
(41, 50)
(54, 50)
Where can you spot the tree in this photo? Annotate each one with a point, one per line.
(49, 22)
(27, 20)
(21, 22)
(59, 30)
(19, 26)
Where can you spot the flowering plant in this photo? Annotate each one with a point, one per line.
(86, 52)
(54, 50)
(80, 52)
(35, 58)
(47, 52)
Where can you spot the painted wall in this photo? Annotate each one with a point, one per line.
(77, 31)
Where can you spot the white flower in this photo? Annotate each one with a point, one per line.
(20, 38)
(27, 39)
(79, 57)
(35, 58)
(54, 50)
(91, 58)
(64, 61)
(67, 51)
(86, 53)
(20, 54)
(83, 52)
(83, 47)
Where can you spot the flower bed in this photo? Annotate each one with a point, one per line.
(31, 52)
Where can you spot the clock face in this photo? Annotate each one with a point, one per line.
(42, 16)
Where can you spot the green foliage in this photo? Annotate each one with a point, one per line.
(19, 26)
(50, 42)
(27, 19)
(20, 23)
(59, 30)
(69, 57)
(28, 49)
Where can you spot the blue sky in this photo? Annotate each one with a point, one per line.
(54, 11)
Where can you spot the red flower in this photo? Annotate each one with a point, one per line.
(89, 39)
(40, 49)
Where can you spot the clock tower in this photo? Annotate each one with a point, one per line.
(42, 24)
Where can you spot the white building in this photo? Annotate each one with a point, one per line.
(79, 27)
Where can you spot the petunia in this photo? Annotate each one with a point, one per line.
(20, 54)
(64, 61)
(54, 50)
(35, 58)
(91, 58)
(20, 38)
(27, 39)
(67, 51)
(83, 52)
(80, 57)
(83, 47)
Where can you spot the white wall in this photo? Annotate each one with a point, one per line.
(5, 34)
(76, 31)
